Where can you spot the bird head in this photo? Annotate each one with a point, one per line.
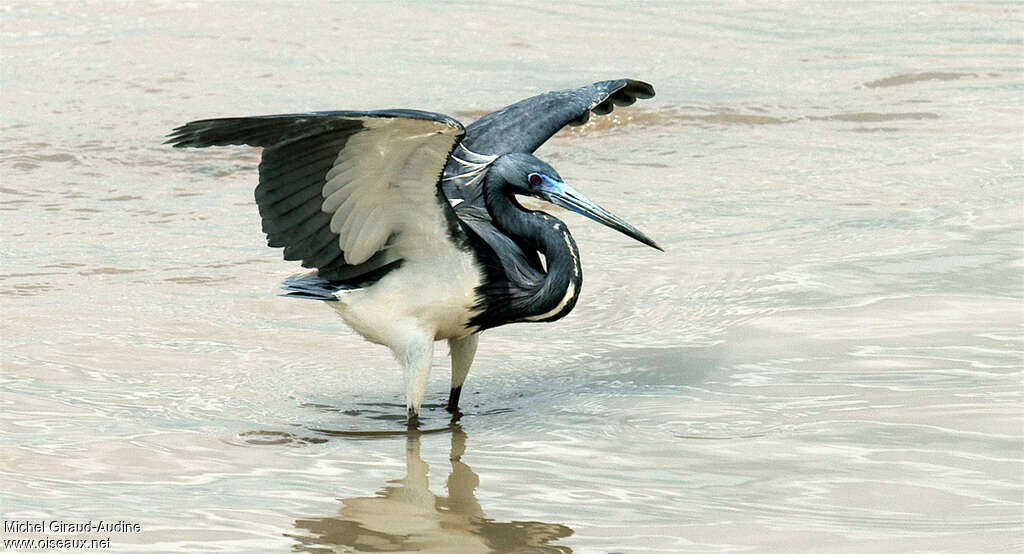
(528, 175)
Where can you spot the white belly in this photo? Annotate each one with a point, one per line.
(434, 296)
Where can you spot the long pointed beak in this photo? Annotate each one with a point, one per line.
(569, 198)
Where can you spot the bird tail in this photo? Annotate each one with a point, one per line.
(313, 287)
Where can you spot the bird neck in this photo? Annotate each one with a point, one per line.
(553, 296)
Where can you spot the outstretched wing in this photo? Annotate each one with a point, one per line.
(349, 193)
(526, 125)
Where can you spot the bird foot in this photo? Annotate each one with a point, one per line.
(453, 401)
(413, 418)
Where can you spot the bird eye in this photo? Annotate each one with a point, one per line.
(535, 179)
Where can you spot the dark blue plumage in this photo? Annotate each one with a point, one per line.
(411, 220)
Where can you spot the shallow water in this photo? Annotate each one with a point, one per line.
(827, 358)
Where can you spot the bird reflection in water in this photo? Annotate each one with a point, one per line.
(407, 517)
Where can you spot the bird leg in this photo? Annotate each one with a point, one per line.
(463, 350)
(415, 354)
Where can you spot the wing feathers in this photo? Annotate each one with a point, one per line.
(310, 244)
(277, 223)
(370, 237)
(350, 193)
(324, 256)
(350, 234)
(525, 125)
(336, 197)
(302, 195)
(300, 231)
(349, 203)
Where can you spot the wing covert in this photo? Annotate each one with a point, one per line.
(349, 193)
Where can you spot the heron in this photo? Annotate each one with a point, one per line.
(411, 222)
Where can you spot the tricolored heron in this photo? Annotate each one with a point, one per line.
(412, 223)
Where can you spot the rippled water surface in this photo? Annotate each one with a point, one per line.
(827, 358)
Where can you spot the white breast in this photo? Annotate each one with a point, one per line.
(438, 296)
